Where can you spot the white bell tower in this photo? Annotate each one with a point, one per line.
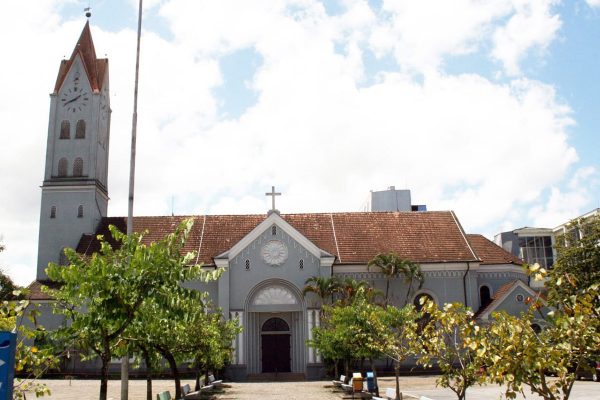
(75, 188)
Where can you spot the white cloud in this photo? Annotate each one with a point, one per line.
(563, 205)
(593, 3)
(532, 25)
(421, 33)
(317, 132)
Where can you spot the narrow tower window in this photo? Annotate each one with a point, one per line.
(53, 212)
(62, 167)
(65, 130)
(78, 167)
(80, 130)
(247, 264)
(301, 264)
(274, 230)
(80, 211)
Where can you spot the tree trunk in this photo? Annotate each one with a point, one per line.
(198, 375)
(397, 374)
(148, 374)
(104, 377)
(173, 365)
(347, 369)
(387, 292)
(335, 369)
(362, 365)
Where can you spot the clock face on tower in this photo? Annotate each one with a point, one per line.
(274, 252)
(74, 99)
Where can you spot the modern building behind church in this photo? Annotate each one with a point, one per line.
(267, 258)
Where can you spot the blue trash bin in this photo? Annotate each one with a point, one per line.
(370, 382)
(8, 342)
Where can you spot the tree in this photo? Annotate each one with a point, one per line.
(400, 340)
(452, 339)
(102, 294)
(323, 287)
(215, 349)
(177, 330)
(392, 266)
(30, 359)
(7, 286)
(351, 289)
(517, 355)
(351, 330)
(577, 265)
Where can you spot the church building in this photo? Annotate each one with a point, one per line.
(267, 258)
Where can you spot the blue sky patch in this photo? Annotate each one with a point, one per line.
(235, 95)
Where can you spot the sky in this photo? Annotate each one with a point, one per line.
(488, 108)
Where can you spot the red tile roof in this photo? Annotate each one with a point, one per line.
(36, 292)
(95, 68)
(490, 253)
(425, 237)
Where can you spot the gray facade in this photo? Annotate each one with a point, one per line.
(74, 190)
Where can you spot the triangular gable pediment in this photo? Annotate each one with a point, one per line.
(274, 219)
(493, 306)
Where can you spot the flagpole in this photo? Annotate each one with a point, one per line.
(125, 359)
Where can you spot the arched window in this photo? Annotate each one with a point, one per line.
(274, 230)
(80, 130)
(419, 303)
(63, 166)
(275, 325)
(80, 211)
(421, 299)
(484, 295)
(78, 167)
(65, 130)
(53, 212)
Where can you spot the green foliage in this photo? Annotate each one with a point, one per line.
(577, 265)
(400, 337)
(180, 328)
(353, 290)
(517, 355)
(8, 288)
(103, 294)
(351, 329)
(453, 339)
(392, 266)
(30, 360)
(323, 287)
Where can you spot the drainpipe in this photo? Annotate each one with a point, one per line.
(465, 282)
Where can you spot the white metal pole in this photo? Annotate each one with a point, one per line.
(125, 359)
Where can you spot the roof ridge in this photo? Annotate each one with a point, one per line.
(293, 214)
(337, 248)
(462, 232)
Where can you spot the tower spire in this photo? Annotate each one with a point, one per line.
(94, 68)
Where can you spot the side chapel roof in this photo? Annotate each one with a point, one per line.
(95, 68)
(490, 253)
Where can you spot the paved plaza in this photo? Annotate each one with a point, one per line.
(413, 386)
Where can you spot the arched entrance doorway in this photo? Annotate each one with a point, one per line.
(276, 346)
(275, 328)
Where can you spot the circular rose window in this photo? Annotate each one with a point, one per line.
(274, 252)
